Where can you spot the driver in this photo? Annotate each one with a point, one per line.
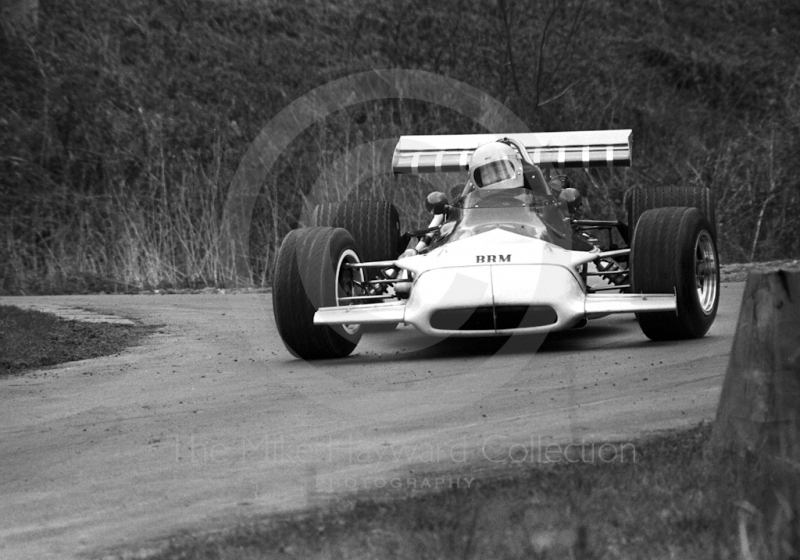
(492, 166)
(499, 166)
(496, 166)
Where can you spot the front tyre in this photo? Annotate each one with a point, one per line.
(311, 272)
(375, 225)
(673, 251)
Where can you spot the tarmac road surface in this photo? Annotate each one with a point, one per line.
(212, 420)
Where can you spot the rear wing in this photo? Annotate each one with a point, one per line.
(451, 153)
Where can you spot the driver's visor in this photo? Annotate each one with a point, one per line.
(493, 172)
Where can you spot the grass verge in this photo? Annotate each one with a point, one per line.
(674, 501)
(32, 339)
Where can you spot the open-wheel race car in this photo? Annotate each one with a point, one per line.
(506, 252)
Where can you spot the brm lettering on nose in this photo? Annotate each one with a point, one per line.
(492, 258)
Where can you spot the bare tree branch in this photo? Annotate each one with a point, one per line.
(565, 90)
(509, 43)
(773, 184)
(542, 47)
(565, 49)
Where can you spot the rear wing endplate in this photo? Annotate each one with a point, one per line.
(451, 153)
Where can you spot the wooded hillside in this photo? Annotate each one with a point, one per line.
(122, 123)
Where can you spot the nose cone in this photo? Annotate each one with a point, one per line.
(495, 283)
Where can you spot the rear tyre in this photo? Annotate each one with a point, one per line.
(673, 251)
(310, 274)
(374, 224)
(640, 199)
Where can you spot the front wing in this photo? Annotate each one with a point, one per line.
(496, 300)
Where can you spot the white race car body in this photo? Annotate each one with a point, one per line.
(507, 250)
(495, 283)
(503, 262)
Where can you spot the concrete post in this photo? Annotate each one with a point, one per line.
(759, 408)
(758, 417)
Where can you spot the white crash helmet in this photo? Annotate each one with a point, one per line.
(496, 166)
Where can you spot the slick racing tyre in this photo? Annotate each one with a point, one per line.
(310, 273)
(673, 251)
(374, 224)
(639, 199)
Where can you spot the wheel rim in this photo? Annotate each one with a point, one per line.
(705, 272)
(346, 286)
